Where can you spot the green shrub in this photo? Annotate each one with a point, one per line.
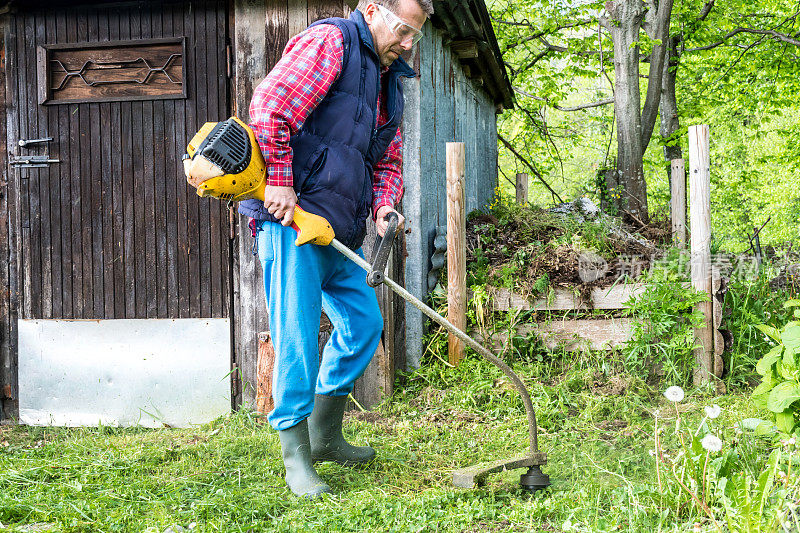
(665, 318)
(779, 390)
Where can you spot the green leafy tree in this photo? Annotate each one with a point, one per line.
(621, 64)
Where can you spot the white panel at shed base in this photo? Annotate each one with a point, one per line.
(124, 372)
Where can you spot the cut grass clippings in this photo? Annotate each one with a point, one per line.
(228, 475)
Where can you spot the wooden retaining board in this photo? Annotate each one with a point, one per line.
(613, 297)
(572, 335)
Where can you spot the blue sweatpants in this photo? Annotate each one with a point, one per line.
(300, 282)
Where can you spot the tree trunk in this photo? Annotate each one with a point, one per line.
(670, 123)
(668, 107)
(624, 26)
(657, 27)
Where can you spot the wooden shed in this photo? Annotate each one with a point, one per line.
(105, 250)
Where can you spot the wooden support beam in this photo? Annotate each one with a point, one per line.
(456, 250)
(678, 202)
(521, 188)
(298, 16)
(700, 227)
(256, 25)
(465, 49)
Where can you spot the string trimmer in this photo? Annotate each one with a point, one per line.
(223, 161)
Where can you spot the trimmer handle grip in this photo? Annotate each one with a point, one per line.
(311, 228)
(384, 246)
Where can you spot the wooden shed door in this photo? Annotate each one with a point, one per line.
(105, 224)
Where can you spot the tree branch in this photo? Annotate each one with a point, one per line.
(523, 22)
(536, 59)
(530, 166)
(705, 11)
(541, 33)
(785, 37)
(730, 67)
(772, 33)
(564, 49)
(571, 108)
(657, 59)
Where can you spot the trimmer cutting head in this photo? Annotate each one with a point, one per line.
(532, 480)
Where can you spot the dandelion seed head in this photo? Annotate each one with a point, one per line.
(674, 394)
(714, 411)
(711, 443)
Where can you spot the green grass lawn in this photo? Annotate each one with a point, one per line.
(596, 428)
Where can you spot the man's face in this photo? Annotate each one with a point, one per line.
(388, 44)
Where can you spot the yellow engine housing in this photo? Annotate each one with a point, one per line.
(224, 145)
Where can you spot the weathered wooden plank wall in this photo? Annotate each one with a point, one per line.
(443, 105)
(7, 320)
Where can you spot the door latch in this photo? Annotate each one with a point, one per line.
(33, 161)
(24, 143)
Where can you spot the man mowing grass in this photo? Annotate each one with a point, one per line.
(327, 120)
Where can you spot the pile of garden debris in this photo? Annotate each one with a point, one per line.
(529, 249)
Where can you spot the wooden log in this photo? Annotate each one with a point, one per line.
(522, 188)
(719, 348)
(572, 335)
(265, 366)
(613, 297)
(700, 220)
(456, 251)
(678, 202)
(718, 289)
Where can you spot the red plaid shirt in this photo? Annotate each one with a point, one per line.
(281, 103)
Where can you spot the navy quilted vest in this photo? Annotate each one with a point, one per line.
(335, 150)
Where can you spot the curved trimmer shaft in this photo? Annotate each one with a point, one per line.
(470, 476)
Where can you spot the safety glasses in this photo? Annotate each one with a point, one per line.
(404, 32)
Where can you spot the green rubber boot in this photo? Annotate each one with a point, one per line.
(300, 474)
(325, 432)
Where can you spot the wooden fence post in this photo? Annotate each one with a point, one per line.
(678, 202)
(521, 188)
(700, 220)
(456, 253)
